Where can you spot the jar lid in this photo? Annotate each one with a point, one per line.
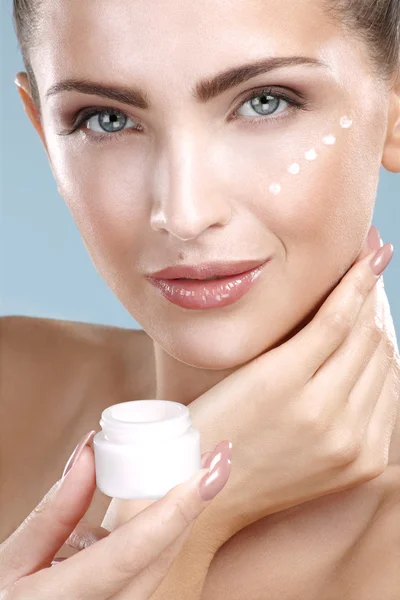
(140, 420)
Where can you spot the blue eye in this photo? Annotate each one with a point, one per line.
(265, 103)
(268, 103)
(112, 121)
(108, 120)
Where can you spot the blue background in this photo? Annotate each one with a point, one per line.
(45, 270)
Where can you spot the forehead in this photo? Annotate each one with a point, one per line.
(175, 40)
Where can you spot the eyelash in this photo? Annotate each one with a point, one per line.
(252, 122)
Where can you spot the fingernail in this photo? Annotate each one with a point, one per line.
(381, 259)
(86, 439)
(58, 560)
(374, 238)
(219, 471)
(205, 461)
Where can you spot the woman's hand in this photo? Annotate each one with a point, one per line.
(313, 416)
(135, 557)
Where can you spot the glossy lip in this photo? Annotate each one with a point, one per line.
(206, 270)
(199, 295)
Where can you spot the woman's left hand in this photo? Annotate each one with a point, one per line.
(134, 558)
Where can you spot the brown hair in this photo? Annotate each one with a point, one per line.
(376, 22)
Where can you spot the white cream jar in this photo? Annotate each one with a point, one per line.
(145, 448)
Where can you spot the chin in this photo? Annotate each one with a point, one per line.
(212, 362)
(224, 346)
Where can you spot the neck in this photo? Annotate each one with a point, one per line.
(183, 383)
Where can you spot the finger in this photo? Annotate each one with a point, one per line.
(108, 566)
(347, 363)
(367, 391)
(375, 454)
(147, 582)
(119, 511)
(206, 458)
(33, 545)
(384, 418)
(85, 534)
(335, 319)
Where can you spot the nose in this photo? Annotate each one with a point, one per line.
(191, 203)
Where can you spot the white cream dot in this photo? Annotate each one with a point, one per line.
(294, 168)
(345, 122)
(329, 140)
(275, 188)
(311, 154)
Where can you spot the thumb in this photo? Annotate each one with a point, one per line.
(33, 545)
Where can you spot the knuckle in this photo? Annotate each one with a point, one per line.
(160, 566)
(375, 331)
(129, 559)
(313, 421)
(344, 447)
(374, 466)
(337, 324)
(389, 350)
(360, 284)
(182, 511)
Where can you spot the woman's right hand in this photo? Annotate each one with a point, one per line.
(313, 416)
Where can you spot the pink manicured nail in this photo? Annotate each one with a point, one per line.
(381, 259)
(86, 439)
(206, 458)
(219, 471)
(58, 560)
(374, 238)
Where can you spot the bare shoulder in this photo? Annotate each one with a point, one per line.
(55, 379)
(48, 362)
(24, 334)
(33, 347)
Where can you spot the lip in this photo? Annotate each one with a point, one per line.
(199, 295)
(206, 270)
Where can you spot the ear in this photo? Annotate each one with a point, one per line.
(24, 90)
(391, 151)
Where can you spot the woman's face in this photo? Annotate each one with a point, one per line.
(183, 182)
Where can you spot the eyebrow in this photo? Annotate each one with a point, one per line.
(205, 90)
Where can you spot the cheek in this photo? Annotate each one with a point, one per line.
(310, 187)
(105, 197)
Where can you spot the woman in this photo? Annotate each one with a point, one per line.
(233, 169)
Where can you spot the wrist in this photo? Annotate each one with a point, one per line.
(186, 577)
(214, 527)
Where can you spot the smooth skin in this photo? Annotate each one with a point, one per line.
(345, 445)
(192, 185)
(324, 428)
